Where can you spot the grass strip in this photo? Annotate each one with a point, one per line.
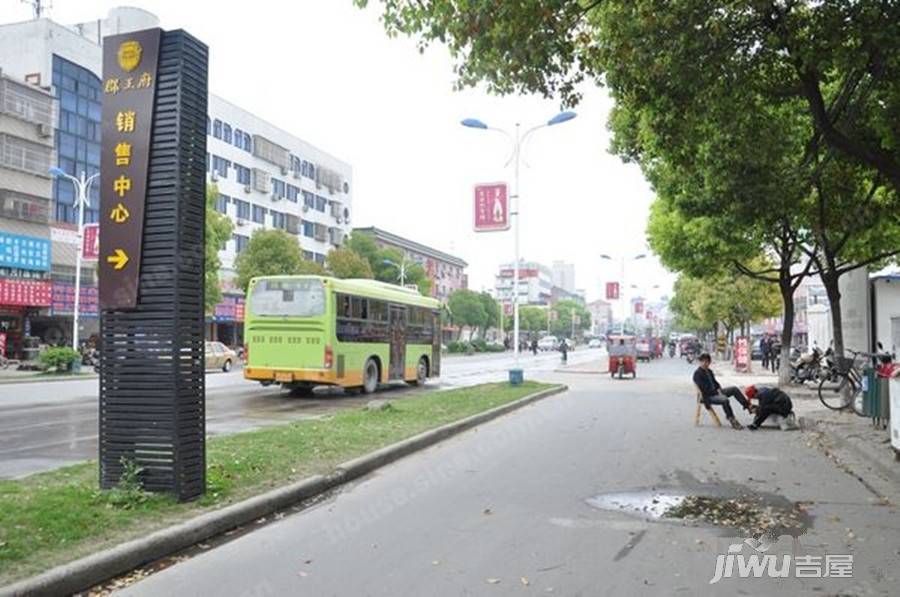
(58, 516)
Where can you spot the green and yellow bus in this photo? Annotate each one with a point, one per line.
(304, 331)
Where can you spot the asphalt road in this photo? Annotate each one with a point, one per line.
(44, 425)
(549, 500)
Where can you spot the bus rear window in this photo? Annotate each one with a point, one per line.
(288, 298)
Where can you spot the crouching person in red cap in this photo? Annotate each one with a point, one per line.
(770, 401)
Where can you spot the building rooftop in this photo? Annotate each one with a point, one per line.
(388, 237)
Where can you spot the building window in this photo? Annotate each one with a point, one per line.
(308, 255)
(208, 126)
(259, 214)
(242, 174)
(24, 155)
(238, 138)
(248, 144)
(78, 92)
(309, 200)
(292, 193)
(321, 202)
(226, 132)
(278, 220)
(217, 128)
(309, 229)
(320, 258)
(220, 166)
(240, 242)
(312, 171)
(278, 188)
(242, 209)
(222, 204)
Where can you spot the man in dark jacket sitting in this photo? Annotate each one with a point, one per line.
(770, 401)
(712, 392)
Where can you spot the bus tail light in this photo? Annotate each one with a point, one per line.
(329, 356)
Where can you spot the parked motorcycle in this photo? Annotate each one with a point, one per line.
(807, 367)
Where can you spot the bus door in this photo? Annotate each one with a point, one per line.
(398, 342)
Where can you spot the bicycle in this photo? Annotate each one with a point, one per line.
(842, 387)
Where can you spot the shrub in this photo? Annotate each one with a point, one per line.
(479, 345)
(59, 358)
(456, 347)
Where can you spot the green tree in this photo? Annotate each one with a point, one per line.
(491, 311)
(218, 232)
(838, 58)
(272, 253)
(466, 310)
(561, 326)
(365, 245)
(532, 319)
(345, 263)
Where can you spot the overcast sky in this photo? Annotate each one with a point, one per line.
(325, 71)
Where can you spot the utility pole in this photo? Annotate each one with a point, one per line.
(38, 7)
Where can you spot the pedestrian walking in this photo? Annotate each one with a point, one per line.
(564, 349)
(765, 348)
(775, 354)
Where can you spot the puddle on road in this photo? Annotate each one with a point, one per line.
(650, 504)
(724, 506)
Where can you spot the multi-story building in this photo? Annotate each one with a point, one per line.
(26, 154)
(446, 272)
(535, 284)
(563, 276)
(266, 177)
(601, 317)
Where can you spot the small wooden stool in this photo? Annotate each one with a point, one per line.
(709, 409)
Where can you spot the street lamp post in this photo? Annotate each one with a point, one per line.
(82, 189)
(622, 260)
(400, 266)
(515, 197)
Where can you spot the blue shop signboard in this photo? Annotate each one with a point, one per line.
(24, 252)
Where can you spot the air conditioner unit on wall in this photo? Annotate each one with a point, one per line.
(45, 130)
(247, 188)
(241, 222)
(297, 174)
(283, 171)
(305, 208)
(214, 176)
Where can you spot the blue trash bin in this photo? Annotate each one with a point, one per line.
(516, 377)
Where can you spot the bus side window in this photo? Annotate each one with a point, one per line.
(360, 308)
(343, 305)
(378, 310)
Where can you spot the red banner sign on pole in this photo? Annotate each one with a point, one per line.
(742, 355)
(638, 307)
(612, 291)
(491, 207)
(2, 344)
(90, 247)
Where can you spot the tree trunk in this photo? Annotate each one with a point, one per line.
(787, 329)
(832, 289)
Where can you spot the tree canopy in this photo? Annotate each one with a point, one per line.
(467, 309)
(345, 263)
(218, 232)
(562, 323)
(365, 245)
(272, 253)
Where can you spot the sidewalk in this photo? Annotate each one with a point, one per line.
(851, 441)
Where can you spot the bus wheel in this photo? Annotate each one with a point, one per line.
(421, 373)
(370, 377)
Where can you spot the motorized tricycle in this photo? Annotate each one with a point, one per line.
(622, 356)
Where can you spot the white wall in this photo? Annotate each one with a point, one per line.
(855, 315)
(887, 308)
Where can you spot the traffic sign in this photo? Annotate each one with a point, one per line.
(491, 207)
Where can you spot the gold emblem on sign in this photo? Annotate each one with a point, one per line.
(129, 55)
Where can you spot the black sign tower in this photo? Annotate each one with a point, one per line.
(153, 177)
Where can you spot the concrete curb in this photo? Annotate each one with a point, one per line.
(96, 568)
(37, 379)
